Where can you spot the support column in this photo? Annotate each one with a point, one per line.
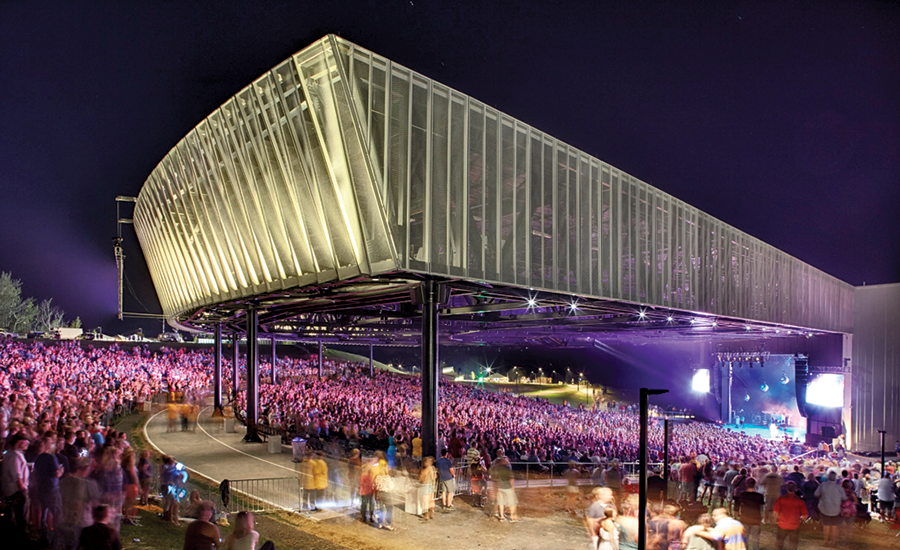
(642, 466)
(252, 377)
(666, 457)
(430, 367)
(235, 370)
(320, 359)
(371, 362)
(217, 372)
(274, 357)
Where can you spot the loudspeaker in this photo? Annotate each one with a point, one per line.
(828, 432)
(801, 381)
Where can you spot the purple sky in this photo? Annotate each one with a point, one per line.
(782, 121)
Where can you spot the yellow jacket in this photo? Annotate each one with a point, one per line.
(320, 473)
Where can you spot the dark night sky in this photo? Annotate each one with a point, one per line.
(780, 118)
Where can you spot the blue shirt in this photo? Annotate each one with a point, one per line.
(443, 466)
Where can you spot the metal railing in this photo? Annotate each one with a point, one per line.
(258, 495)
(544, 474)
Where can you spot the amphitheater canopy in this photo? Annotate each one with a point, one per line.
(339, 169)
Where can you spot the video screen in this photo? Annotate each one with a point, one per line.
(826, 390)
(700, 381)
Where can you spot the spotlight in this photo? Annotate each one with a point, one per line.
(532, 302)
(641, 314)
(693, 321)
(784, 378)
(746, 397)
(670, 318)
(715, 324)
(764, 387)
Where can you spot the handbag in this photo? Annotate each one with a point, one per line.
(384, 484)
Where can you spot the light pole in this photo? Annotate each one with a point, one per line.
(882, 432)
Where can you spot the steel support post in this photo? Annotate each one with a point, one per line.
(320, 359)
(430, 367)
(235, 360)
(666, 456)
(252, 377)
(217, 372)
(274, 358)
(642, 467)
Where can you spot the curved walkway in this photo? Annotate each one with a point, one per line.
(211, 452)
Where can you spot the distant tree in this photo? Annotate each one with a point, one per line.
(16, 314)
(76, 323)
(49, 317)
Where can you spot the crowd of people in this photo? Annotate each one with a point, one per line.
(63, 461)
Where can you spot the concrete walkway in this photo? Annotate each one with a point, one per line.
(215, 454)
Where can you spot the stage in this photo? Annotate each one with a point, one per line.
(765, 432)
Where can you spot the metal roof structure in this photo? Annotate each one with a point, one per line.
(324, 192)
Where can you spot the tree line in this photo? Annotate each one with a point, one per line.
(24, 315)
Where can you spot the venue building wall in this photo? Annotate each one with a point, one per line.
(876, 367)
(339, 163)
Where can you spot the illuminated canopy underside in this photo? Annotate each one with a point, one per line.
(337, 180)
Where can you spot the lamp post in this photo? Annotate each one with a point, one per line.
(882, 432)
(642, 466)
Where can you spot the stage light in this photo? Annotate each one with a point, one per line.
(748, 327)
(746, 397)
(670, 318)
(764, 387)
(784, 378)
(641, 314)
(700, 381)
(574, 306)
(532, 302)
(693, 321)
(715, 324)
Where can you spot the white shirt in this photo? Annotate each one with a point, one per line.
(14, 468)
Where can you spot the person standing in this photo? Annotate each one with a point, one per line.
(417, 449)
(320, 475)
(608, 535)
(80, 495)
(366, 494)
(308, 481)
(427, 477)
(14, 479)
(771, 484)
(886, 495)
(447, 478)
(45, 477)
(506, 492)
(571, 475)
(748, 505)
(688, 473)
(145, 474)
(830, 495)
(698, 537)
(384, 485)
(789, 511)
(354, 466)
(728, 530)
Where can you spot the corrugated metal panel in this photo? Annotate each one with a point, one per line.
(875, 379)
(339, 162)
